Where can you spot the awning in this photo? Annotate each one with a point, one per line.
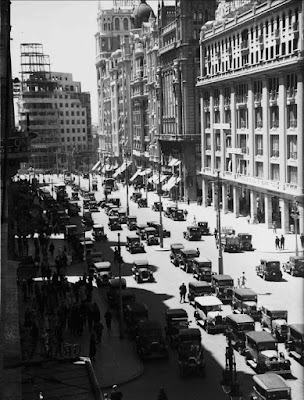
(146, 172)
(174, 162)
(153, 178)
(135, 175)
(162, 178)
(105, 168)
(171, 182)
(96, 165)
(122, 168)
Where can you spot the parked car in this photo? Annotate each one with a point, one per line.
(93, 206)
(191, 357)
(192, 233)
(177, 215)
(122, 216)
(132, 222)
(98, 232)
(244, 301)
(231, 244)
(269, 270)
(114, 224)
(157, 226)
(156, 206)
(134, 245)
(134, 314)
(208, 313)
(142, 203)
(204, 228)
(115, 201)
(186, 257)
(141, 271)
(70, 232)
(295, 341)
(114, 285)
(237, 326)
(140, 231)
(202, 268)
(270, 386)
(294, 266)
(75, 196)
(245, 241)
(102, 273)
(196, 289)
(151, 236)
(73, 208)
(176, 319)
(136, 196)
(175, 253)
(262, 354)
(150, 342)
(275, 320)
(222, 286)
(87, 219)
(169, 210)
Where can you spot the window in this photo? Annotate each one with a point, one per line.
(275, 172)
(62, 139)
(83, 121)
(126, 24)
(73, 122)
(62, 130)
(73, 138)
(242, 118)
(83, 129)
(292, 116)
(78, 138)
(61, 105)
(82, 113)
(227, 117)
(72, 113)
(259, 169)
(66, 104)
(217, 117)
(68, 138)
(274, 146)
(66, 113)
(67, 121)
(116, 24)
(292, 175)
(208, 142)
(67, 130)
(258, 120)
(259, 145)
(218, 142)
(208, 162)
(79, 147)
(274, 117)
(207, 119)
(292, 142)
(77, 113)
(73, 130)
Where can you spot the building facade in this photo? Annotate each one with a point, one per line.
(251, 100)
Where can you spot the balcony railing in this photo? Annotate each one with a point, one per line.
(274, 124)
(218, 148)
(259, 124)
(293, 123)
(241, 99)
(293, 155)
(275, 153)
(259, 152)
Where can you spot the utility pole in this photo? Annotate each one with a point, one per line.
(161, 233)
(295, 216)
(218, 183)
(127, 184)
(121, 333)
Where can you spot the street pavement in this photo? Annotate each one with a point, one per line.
(119, 355)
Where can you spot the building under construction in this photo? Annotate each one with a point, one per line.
(38, 107)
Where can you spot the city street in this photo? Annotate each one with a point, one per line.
(164, 293)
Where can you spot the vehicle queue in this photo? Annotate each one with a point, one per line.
(208, 292)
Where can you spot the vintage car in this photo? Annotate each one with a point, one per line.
(176, 319)
(156, 225)
(140, 231)
(113, 211)
(141, 203)
(294, 266)
(150, 342)
(270, 386)
(262, 354)
(208, 313)
(87, 219)
(86, 243)
(73, 208)
(186, 257)
(202, 268)
(295, 341)
(244, 301)
(122, 215)
(231, 244)
(175, 253)
(222, 286)
(102, 273)
(115, 201)
(192, 233)
(151, 236)
(191, 357)
(114, 224)
(133, 315)
(237, 325)
(93, 257)
(134, 245)
(70, 232)
(136, 196)
(75, 196)
(114, 285)
(269, 270)
(245, 241)
(198, 288)
(95, 185)
(142, 272)
(107, 207)
(156, 206)
(169, 210)
(63, 220)
(132, 222)
(177, 215)
(203, 225)
(93, 206)
(86, 203)
(274, 320)
(98, 232)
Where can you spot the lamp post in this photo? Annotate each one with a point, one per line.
(218, 183)
(161, 233)
(84, 241)
(127, 182)
(121, 333)
(176, 192)
(295, 216)
(146, 181)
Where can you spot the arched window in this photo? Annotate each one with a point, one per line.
(126, 24)
(116, 24)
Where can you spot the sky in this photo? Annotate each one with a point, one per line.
(66, 30)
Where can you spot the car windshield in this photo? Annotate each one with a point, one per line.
(225, 283)
(213, 308)
(273, 264)
(279, 395)
(246, 327)
(279, 315)
(267, 346)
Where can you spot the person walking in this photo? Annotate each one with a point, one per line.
(282, 242)
(116, 393)
(302, 240)
(186, 213)
(274, 227)
(92, 351)
(277, 243)
(182, 292)
(108, 318)
(243, 280)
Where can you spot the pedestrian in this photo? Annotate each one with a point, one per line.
(198, 252)
(186, 213)
(116, 394)
(108, 318)
(92, 351)
(162, 395)
(188, 201)
(282, 242)
(51, 248)
(274, 227)
(238, 282)
(248, 218)
(302, 240)
(277, 243)
(116, 255)
(243, 280)
(182, 292)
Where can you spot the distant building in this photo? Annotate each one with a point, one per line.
(251, 100)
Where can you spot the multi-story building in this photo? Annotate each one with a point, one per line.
(251, 99)
(178, 130)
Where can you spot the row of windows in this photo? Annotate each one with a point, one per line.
(68, 139)
(70, 105)
(73, 130)
(73, 122)
(72, 113)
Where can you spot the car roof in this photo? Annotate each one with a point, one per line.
(177, 246)
(122, 210)
(150, 229)
(71, 226)
(199, 284)
(97, 226)
(141, 262)
(221, 277)
(270, 381)
(298, 327)
(102, 265)
(240, 318)
(208, 301)
(189, 251)
(261, 336)
(273, 307)
(247, 234)
(189, 333)
(202, 222)
(142, 226)
(192, 227)
(244, 292)
(132, 216)
(133, 236)
(269, 260)
(177, 312)
(201, 259)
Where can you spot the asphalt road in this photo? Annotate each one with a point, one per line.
(164, 293)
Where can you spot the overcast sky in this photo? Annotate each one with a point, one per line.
(66, 30)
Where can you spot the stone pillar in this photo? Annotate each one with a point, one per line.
(265, 113)
(268, 210)
(233, 127)
(224, 199)
(236, 201)
(282, 129)
(204, 192)
(284, 206)
(301, 219)
(211, 108)
(300, 127)
(253, 204)
(250, 106)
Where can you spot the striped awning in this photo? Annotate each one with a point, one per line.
(171, 182)
(153, 178)
(174, 162)
(96, 165)
(145, 172)
(133, 177)
(122, 168)
(162, 178)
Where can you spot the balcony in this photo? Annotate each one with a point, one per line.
(292, 123)
(167, 137)
(244, 47)
(275, 153)
(293, 155)
(274, 124)
(259, 152)
(257, 99)
(291, 95)
(273, 97)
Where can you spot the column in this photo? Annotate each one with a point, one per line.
(224, 199)
(253, 204)
(301, 219)
(203, 124)
(300, 127)
(236, 201)
(223, 134)
(284, 206)
(282, 129)
(250, 108)
(268, 210)
(233, 127)
(211, 109)
(204, 192)
(265, 132)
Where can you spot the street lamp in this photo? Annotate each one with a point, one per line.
(84, 238)
(295, 216)
(121, 333)
(161, 234)
(127, 182)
